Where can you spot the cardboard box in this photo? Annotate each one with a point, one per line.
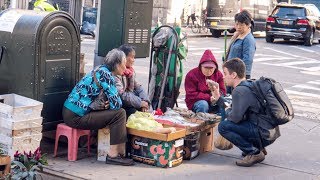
(161, 150)
(191, 146)
(206, 140)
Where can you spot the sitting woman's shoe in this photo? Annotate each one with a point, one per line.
(119, 160)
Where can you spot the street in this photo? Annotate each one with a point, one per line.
(293, 156)
(296, 66)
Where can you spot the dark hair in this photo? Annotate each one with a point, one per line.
(235, 65)
(126, 48)
(113, 58)
(243, 17)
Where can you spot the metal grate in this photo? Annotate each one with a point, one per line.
(138, 36)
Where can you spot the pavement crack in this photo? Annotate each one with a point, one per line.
(276, 166)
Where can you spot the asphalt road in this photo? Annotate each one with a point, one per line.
(295, 66)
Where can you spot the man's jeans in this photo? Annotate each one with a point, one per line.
(203, 106)
(244, 135)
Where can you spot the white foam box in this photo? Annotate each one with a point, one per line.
(18, 125)
(20, 132)
(23, 143)
(18, 108)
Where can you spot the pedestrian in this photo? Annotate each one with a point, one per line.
(199, 96)
(133, 96)
(242, 44)
(243, 127)
(78, 112)
(193, 18)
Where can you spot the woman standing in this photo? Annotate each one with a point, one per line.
(242, 43)
(78, 112)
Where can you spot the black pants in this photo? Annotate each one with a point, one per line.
(94, 120)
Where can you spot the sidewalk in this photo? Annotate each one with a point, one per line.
(295, 155)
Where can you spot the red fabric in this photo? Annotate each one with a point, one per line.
(128, 72)
(195, 83)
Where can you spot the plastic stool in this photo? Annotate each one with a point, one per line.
(73, 136)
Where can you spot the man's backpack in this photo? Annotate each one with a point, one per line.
(273, 99)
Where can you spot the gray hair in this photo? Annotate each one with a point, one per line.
(113, 58)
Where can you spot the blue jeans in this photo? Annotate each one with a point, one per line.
(203, 106)
(244, 135)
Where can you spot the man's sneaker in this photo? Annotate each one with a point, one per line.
(243, 154)
(119, 160)
(250, 160)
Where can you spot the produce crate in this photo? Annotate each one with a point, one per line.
(161, 150)
(18, 108)
(24, 143)
(18, 125)
(20, 132)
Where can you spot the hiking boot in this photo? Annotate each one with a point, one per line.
(119, 160)
(243, 154)
(251, 159)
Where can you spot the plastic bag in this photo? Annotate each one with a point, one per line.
(143, 121)
(222, 143)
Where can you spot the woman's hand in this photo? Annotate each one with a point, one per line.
(144, 106)
(107, 105)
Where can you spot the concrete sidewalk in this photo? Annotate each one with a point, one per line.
(295, 155)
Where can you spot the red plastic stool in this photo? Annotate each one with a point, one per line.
(73, 136)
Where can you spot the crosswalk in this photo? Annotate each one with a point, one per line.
(305, 96)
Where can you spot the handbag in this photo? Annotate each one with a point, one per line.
(99, 102)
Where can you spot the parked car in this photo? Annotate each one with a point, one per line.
(294, 21)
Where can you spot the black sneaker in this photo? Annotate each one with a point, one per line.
(119, 160)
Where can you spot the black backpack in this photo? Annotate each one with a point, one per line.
(273, 100)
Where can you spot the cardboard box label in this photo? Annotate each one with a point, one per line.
(156, 152)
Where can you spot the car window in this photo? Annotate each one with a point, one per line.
(289, 11)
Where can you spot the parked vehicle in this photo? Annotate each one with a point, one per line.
(294, 21)
(220, 13)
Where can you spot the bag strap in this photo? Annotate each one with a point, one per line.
(95, 78)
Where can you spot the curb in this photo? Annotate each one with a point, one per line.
(49, 173)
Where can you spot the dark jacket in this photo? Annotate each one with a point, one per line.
(195, 82)
(245, 107)
(131, 98)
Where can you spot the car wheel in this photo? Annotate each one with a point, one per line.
(216, 33)
(286, 39)
(269, 39)
(309, 40)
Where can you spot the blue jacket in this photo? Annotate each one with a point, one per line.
(244, 49)
(86, 91)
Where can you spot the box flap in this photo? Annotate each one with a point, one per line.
(181, 132)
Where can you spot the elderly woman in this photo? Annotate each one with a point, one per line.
(77, 111)
(131, 92)
(199, 93)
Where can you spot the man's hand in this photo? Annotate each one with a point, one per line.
(215, 94)
(106, 105)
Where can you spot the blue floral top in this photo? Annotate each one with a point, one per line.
(86, 91)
